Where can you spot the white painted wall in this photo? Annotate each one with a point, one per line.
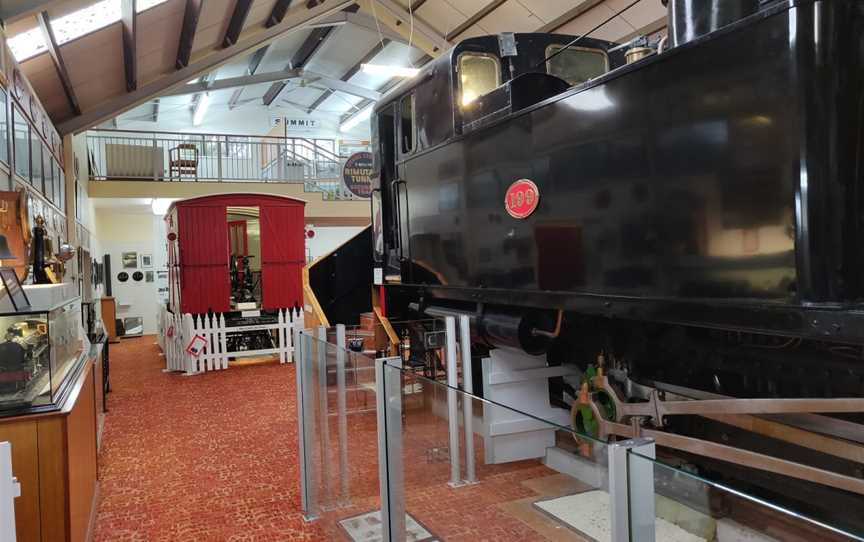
(121, 230)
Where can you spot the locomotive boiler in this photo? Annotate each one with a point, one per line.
(684, 227)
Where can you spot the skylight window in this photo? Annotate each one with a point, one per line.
(74, 25)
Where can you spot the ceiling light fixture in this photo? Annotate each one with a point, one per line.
(361, 116)
(389, 71)
(201, 109)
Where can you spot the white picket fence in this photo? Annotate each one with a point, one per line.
(177, 331)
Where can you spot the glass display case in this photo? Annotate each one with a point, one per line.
(39, 350)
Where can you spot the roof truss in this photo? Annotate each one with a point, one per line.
(204, 62)
(57, 58)
(128, 18)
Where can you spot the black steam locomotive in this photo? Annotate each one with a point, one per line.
(697, 202)
(691, 218)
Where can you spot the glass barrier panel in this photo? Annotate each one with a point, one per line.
(687, 507)
(464, 468)
(340, 442)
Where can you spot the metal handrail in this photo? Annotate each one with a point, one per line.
(143, 155)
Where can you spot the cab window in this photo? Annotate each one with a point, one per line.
(479, 73)
(577, 64)
(406, 123)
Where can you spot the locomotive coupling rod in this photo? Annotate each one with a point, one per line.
(734, 455)
(657, 408)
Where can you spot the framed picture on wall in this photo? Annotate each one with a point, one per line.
(146, 261)
(130, 260)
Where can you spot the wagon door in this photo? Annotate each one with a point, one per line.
(203, 245)
(282, 256)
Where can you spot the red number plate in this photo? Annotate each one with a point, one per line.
(522, 199)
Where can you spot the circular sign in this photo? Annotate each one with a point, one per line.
(137, 276)
(123, 276)
(522, 199)
(357, 174)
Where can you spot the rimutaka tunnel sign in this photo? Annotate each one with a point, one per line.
(357, 174)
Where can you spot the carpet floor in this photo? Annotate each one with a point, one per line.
(205, 458)
(213, 457)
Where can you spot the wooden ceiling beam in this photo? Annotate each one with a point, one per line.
(421, 27)
(372, 53)
(128, 20)
(53, 50)
(204, 62)
(278, 13)
(187, 34)
(311, 45)
(235, 25)
(255, 60)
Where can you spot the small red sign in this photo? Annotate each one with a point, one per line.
(522, 198)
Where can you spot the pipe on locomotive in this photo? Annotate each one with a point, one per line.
(500, 328)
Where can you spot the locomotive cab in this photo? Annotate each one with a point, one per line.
(478, 82)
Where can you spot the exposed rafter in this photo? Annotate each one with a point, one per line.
(421, 27)
(417, 4)
(57, 58)
(339, 85)
(364, 21)
(205, 62)
(128, 18)
(311, 45)
(197, 100)
(235, 25)
(187, 33)
(255, 60)
(474, 19)
(233, 82)
(278, 13)
(310, 78)
(351, 72)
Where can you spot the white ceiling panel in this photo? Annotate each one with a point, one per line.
(441, 15)
(338, 104)
(345, 46)
(510, 16)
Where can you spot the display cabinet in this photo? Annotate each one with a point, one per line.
(39, 350)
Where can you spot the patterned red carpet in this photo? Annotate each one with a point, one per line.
(203, 458)
(213, 458)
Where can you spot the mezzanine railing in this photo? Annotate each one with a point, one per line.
(184, 157)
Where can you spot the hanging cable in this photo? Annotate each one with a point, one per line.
(575, 41)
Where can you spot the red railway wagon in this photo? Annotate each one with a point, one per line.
(205, 234)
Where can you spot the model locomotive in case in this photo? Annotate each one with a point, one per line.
(39, 350)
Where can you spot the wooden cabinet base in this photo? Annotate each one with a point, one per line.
(109, 318)
(54, 458)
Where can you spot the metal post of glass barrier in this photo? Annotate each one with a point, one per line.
(388, 397)
(301, 434)
(631, 491)
(452, 400)
(341, 354)
(306, 425)
(467, 402)
(322, 415)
